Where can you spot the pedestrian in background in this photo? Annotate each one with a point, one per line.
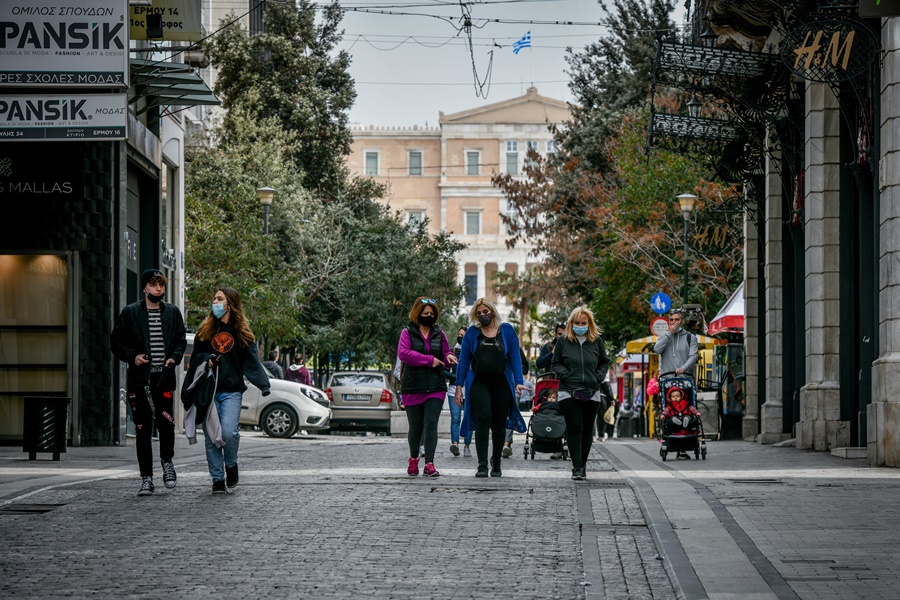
(488, 379)
(273, 366)
(455, 409)
(298, 372)
(226, 334)
(521, 398)
(423, 351)
(149, 337)
(545, 358)
(581, 363)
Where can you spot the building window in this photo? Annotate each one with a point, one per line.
(473, 222)
(551, 147)
(511, 215)
(471, 289)
(415, 162)
(512, 146)
(415, 216)
(473, 162)
(531, 145)
(371, 163)
(512, 163)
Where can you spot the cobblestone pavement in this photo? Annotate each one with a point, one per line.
(322, 518)
(337, 517)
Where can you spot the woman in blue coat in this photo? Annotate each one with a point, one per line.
(490, 371)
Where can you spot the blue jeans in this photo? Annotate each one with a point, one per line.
(229, 406)
(455, 419)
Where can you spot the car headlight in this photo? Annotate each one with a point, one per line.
(315, 394)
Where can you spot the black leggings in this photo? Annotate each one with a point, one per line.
(580, 416)
(149, 402)
(423, 425)
(490, 399)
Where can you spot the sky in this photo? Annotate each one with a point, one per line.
(408, 68)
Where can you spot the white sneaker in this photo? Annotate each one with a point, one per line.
(605, 436)
(467, 453)
(615, 435)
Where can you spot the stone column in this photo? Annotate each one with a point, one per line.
(771, 413)
(750, 423)
(820, 427)
(482, 274)
(883, 418)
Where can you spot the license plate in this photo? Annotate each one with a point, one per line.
(357, 397)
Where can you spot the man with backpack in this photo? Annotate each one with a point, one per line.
(677, 348)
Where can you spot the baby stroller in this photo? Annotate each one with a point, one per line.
(682, 428)
(547, 427)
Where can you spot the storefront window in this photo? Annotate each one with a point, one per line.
(34, 293)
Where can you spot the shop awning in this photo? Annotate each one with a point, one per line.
(633, 362)
(167, 83)
(731, 318)
(645, 344)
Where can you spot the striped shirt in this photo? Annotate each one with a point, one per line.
(157, 343)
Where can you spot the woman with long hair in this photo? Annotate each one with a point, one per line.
(226, 338)
(488, 379)
(424, 353)
(580, 361)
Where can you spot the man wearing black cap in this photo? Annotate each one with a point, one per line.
(149, 337)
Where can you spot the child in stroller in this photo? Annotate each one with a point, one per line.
(547, 426)
(682, 428)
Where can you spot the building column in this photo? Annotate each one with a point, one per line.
(883, 416)
(482, 273)
(750, 422)
(771, 413)
(820, 427)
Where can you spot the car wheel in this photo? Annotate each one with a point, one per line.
(279, 421)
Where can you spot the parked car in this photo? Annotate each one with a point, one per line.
(289, 407)
(361, 400)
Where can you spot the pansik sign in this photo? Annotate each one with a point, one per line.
(63, 43)
(63, 117)
(170, 20)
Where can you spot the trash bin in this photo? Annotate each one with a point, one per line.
(46, 425)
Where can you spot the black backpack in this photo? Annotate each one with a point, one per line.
(489, 357)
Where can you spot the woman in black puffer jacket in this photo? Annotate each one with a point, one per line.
(581, 363)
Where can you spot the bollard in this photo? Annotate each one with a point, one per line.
(46, 425)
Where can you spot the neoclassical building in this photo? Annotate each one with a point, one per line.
(443, 174)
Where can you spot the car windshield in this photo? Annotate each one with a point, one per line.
(358, 379)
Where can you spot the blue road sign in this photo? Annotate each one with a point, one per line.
(660, 303)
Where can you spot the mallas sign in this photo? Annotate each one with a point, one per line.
(58, 43)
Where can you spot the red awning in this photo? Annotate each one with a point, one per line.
(731, 318)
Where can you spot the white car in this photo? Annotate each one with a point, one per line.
(289, 407)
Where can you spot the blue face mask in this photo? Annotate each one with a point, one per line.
(218, 310)
(580, 329)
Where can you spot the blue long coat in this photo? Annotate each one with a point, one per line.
(465, 375)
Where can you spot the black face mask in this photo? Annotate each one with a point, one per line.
(154, 298)
(427, 321)
(459, 340)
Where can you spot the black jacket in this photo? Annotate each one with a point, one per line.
(416, 380)
(236, 361)
(130, 338)
(580, 366)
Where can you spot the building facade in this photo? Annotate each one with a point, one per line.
(443, 174)
(813, 89)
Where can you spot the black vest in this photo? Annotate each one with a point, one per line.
(419, 380)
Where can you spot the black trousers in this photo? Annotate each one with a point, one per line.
(423, 425)
(149, 402)
(580, 416)
(490, 399)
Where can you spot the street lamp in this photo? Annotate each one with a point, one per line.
(686, 202)
(266, 195)
(694, 107)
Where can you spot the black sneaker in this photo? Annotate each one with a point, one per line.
(146, 487)
(218, 487)
(482, 471)
(495, 470)
(577, 474)
(169, 476)
(231, 477)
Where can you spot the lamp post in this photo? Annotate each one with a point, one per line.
(266, 195)
(686, 202)
(694, 107)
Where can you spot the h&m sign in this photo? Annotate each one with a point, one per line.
(831, 50)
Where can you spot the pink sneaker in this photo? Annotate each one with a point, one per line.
(414, 466)
(430, 471)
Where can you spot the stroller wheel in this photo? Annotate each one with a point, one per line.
(703, 453)
(565, 455)
(532, 454)
(663, 454)
(696, 454)
(526, 451)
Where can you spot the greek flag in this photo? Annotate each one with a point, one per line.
(525, 42)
